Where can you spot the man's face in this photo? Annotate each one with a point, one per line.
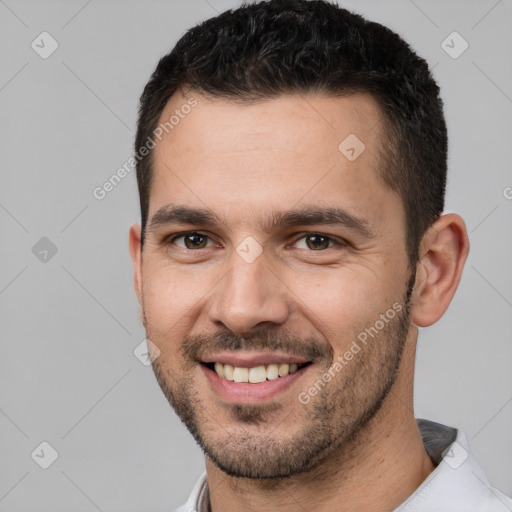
(252, 291)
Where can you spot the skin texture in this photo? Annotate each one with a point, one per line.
(355, 444)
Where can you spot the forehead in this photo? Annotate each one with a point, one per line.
(288, 121)
(271, 153)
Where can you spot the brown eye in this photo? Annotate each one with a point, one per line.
(317, 242)
(191, 241)
(195, 241)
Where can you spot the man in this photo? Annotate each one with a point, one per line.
(292, 170)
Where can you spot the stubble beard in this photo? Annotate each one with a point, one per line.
(253, 445)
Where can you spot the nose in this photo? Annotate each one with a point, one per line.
(249, 297)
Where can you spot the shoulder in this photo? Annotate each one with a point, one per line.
(458, 483)
(196, 497)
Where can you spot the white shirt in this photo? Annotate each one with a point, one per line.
(457, 484)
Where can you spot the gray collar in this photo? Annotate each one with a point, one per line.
(436, 438)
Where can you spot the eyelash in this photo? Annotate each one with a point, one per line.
(337, 242)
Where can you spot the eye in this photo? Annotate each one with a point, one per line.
(318, 242)
(191, 240)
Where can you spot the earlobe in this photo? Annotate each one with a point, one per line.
(443, 252)
(136, 255)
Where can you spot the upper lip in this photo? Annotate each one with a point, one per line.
(252, 359)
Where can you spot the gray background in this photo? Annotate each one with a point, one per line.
(69, 324)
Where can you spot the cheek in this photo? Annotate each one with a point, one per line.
(344, 302)
(170, 298)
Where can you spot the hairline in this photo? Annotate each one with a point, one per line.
(385, 139)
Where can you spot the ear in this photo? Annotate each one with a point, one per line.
(136, 254)
(443, 252)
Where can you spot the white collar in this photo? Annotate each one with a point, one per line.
(457, 484)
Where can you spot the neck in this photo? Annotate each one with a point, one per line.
(377, 470)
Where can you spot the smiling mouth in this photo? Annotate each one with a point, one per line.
(255, 374)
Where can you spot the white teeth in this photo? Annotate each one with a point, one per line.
(284, 370)
(219, 368)
(228, 371)
(272, 371)
(241, 374)
(256, 374)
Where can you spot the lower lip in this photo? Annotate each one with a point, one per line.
(247, 392)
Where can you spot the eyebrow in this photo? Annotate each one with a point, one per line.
(306, 216)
